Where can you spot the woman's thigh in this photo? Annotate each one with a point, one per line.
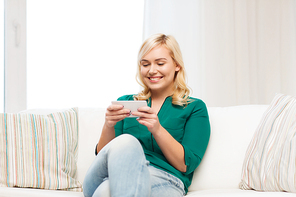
(164, 184)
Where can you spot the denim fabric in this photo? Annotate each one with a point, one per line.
(164, 184)
(121, 170)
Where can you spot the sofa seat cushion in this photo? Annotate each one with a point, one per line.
(27, 192)
(235, 193)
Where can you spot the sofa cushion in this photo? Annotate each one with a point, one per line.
(39, 151)
(91, 121)
(270, 159)
(236, 193)
(29, 192)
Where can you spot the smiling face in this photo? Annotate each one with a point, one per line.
(158, 70)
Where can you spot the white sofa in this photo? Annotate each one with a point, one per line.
(219, 173)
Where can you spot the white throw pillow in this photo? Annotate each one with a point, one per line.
(270, 158)
(39, 151)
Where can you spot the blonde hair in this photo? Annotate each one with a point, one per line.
(181, 92)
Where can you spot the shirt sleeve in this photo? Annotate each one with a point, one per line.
(196, 136)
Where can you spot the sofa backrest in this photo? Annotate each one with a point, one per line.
(232, 129)
(91, 121)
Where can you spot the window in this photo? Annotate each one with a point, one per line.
(82, 53)
(2, 56)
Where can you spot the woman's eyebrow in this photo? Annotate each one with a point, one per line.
(160, 59)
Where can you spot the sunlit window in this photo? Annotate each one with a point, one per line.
(82, 53)
(1, 56)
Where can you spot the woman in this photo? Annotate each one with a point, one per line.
(157, 153)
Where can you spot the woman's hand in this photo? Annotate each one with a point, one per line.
(148, 118)
(114, 114)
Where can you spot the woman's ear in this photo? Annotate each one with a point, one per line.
(177, 67)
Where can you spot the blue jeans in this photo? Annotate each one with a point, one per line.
(121, 170)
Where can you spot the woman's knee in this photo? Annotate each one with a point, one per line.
(126, 146)
(125, 141)
(128, 138)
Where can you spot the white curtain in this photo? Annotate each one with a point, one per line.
(235, 51)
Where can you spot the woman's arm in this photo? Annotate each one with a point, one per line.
(114, 114)
(172, 149)
(108, 134)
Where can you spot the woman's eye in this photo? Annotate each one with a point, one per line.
(160, 64)
(145, 65)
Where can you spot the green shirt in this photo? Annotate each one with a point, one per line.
(188, 125)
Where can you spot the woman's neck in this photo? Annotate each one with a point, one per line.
(160, 96)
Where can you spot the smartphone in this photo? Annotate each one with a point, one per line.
(131, 105)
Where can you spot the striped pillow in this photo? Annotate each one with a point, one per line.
(39, 151)
(270, 159)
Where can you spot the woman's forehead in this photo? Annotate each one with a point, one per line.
(157, 53)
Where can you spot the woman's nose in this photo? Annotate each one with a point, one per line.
(153, 69)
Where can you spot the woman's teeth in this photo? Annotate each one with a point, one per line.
(155, 78)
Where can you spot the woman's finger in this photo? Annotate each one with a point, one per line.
(111, 120)
(144, 112)
(114, 118)
(114, 107)
(118, 112)
(146, 109)
(141, 114)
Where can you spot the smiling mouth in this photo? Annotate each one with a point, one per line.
(154, 79)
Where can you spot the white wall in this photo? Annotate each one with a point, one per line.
(83, 55)
(15, 55)
(1, 58)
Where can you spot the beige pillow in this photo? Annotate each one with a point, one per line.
(39, 151)
(270, 159)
